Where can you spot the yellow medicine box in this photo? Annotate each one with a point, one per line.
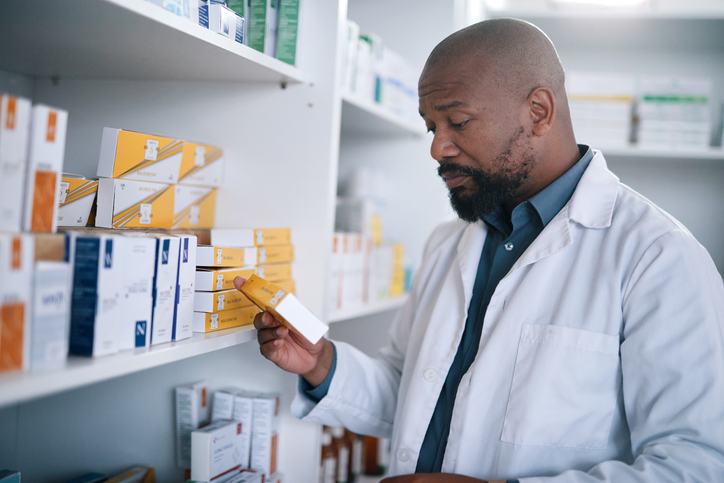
(201, 165)
(218, 301)
(77, 195)
(210, 280)
(194, 207)
(124, 203)
(285, 307)
(139, 156)
(282, 254)
(274, 272)
(215, 256)
(204, 322)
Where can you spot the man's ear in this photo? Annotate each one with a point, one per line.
(542, 106)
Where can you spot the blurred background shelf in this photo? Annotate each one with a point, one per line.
(370, 309)
(360, 117)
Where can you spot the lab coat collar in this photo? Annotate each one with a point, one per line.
(470, 248)
(594, 199)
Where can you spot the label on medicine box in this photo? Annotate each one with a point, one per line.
(226, 319)
(287, 31)
(210, 280)
(233, 403)
(166, 280)
(193, 207)
(16, 266)
(46, 151)
(126, 203)
(263, 19)
(96, 304)
(139, 156)
(226, 22)
(285, 307)
(183, 324)
(217, 256)
(265, 433)
(14, 137)
(201, 165)
(216, 451)
(192, 411)
(75, 201)
(275, 272)
(51, 315)
(247, 237)
(136, 260)
(281, 254)
(217, 301)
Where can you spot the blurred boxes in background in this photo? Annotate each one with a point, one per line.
(77, 197)
(14, 138)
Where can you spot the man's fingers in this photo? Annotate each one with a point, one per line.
(266, 335)
(265, 320)
(238, 282)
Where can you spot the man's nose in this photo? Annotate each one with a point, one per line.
(443, 147)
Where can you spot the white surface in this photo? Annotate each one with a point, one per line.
(367, 309)
(363, 117)
(712, 153)
(123, 39)
(18, 387)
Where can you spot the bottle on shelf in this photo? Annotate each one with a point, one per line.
(342, 451)
(355, 456)
(328, 465)
(376, 456)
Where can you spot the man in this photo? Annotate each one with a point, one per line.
(566, 330)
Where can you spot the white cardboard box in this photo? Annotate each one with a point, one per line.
(235, 404)
(216, 451)
(14, 136)
(213, 280)
(265, 433)
(192, 410)
(51, 315)
(137, 266)
(166, 280)
(194, 207)
(226, 22)
(183, 325)
(124, 203)
(16, 274)
(45, 164)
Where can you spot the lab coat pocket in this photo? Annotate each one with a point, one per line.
(564, 388)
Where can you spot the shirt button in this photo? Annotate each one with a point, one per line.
(403, 455)
(430, 375)
(509, 246)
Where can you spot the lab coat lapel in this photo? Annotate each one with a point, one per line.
(470, 248)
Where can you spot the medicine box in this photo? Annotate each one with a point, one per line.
(288, 286)
(226, 319)
(45, 164)
(96, 301)
(192, 411)
(216, 451)
(75, 201)
(164, 290)
(193, 207)
(210, 280)
(203, 165)
(226, 22)
(184, 318)
(16, 275)
(51, 315)
(263, 17)
(285, 307)
(265, 433)
(217, 301)
(275, 272)
(218, 256)
(249, 237)
(247, 476)
(139, 156)
(14, 136)
(134, 204)
(281, 254)
(233, 403)
(137, 474)
(136, 266)
(287, 31)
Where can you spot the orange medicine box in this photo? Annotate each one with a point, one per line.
(226, 319)
(210, 280)
(216, 256)
(211, 302)
(275, 272)
(126, 203)
(77, 195)
(201, 165)
(281, 254)
(16, 278)
(285, 307)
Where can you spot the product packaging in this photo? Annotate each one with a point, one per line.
(203, 165)
(192, 411)
(216, 451)
(226, 22)
(233, 403)
(126, 203)
(194, 207)
(275, 272)
(210, 280)
(46, 150)
(285, 307)
(136, 265)
(183, 324)
(212, 302)
(76, 198)
(249, 237)
(218, 256)
(287, 31)
(16, 278)
(166, 281)
(14, 137)
(280, 254)
(263, 18)
(265, 433)
(51, 315)
(226, 319)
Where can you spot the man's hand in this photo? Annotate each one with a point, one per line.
(436, 478)
(289, 350)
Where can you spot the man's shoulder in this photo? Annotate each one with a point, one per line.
(639, 213)
(446, 233)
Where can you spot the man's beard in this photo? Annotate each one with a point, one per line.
(492, 189)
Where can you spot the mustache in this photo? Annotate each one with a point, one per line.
(447, 169)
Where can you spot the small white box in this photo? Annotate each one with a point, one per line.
(45, 165)
(166, 280)
(265, 433)
(183, 324)
(96, 303)
(216, 451)
(51, 315)
(16, 274)
(192, 410)
(76, 198)
(226, 22)
(235, 404)
(137, 268)
(14, 136)
(125, 203)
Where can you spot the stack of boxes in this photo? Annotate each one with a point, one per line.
(674, 112)
(34, 298)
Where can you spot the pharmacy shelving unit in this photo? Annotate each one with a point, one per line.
(368, 118)
(379, 307)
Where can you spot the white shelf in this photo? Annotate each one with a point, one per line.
(370, 309)
(17, 387)
(124, 39)
(363, 117)
(712, 154)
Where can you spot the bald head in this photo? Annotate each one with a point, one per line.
(514, 54)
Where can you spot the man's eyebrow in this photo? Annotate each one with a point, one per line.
(446, 107)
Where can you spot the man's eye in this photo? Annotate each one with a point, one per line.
(459, 124)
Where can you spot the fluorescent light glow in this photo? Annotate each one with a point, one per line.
(604, 3)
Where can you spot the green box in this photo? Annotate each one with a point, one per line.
(287, 31)
(263, 18)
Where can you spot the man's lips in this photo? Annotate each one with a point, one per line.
(454, 180)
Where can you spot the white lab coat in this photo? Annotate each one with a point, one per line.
(601, 357)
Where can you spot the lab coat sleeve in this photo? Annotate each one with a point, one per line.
(672, 362)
